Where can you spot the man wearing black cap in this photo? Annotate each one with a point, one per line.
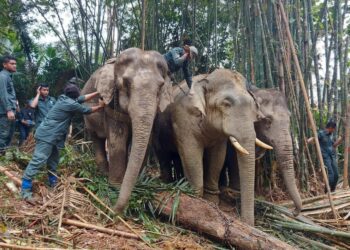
(53, 130)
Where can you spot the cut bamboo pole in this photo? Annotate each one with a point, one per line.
(347, 149)
(11, 246)
(313, 229)
(307, 104)
(100, 229)
(144, 5)
(62, 210)
(14, 178)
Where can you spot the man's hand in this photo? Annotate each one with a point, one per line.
(101, 103)
(38, 91)
(10, 115)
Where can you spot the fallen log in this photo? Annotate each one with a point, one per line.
(205, 217)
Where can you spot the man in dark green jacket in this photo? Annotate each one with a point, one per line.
(7, 102)
(53, 130)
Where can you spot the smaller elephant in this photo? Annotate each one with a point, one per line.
(197, 126)
(273, 129)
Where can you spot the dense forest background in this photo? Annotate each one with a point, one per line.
(56, 40)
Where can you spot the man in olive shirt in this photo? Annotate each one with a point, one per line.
(42, 103)
(53, 130)
(7, 102)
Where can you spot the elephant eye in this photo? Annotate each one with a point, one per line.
(227, 103)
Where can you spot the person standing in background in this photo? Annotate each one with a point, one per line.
(26, 122)
(7, 102)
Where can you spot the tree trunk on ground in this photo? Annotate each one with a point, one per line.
(205, 217)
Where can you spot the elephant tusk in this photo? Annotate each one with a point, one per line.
(238, 146)
(262, 144)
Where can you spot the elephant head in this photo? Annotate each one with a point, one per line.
(274, 129)
(229, 111)
(136, 89)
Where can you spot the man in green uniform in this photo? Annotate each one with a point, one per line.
(328, 146)
(7, 102)
(42, 103)
(53, 130)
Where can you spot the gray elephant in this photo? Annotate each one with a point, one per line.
(218, 108)
(273, 129)
(134, 87)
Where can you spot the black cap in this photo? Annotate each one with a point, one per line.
(72, 91)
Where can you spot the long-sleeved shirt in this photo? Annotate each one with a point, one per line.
(326, 142)
(175, 63)
(55, 125)
(7, 93)
(43, 108)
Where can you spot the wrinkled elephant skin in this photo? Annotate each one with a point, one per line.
(273, 129)
(132, 86)
(197, 125)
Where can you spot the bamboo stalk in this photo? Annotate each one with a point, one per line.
(62, 210)
(313, 243)
(11, 246)
(144, 6)
(313, 229)
(15, 179)
(100, 229)
(134, 231)
(98, 200)
(307, 104)
(347, 149)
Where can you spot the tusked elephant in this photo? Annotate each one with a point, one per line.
(218, 108)
(273, 129)
(134, 86)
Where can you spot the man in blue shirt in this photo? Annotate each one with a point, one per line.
(328, 149)
(7, 102)
(26, 122)
(53, 130)
(180, 57)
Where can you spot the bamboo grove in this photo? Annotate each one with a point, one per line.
(246, 35)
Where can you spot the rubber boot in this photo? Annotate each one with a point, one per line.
(52, 180)
(26, 192)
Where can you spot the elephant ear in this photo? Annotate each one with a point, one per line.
(197, 95)
(166, 95)
(105, 81)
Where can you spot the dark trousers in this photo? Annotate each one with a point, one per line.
(23, 133)
(44, 153)
(7, 128)
(330, 162)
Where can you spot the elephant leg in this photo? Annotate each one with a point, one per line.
(99, 145)
(191, 154)
(213, 164)
(118, 137)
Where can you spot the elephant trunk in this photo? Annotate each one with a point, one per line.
(284, 157)
(142, 117)
(246, 165)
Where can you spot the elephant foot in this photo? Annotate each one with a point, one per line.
(296, 212)
(212, 196)
(229, 195)
(103, 170)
